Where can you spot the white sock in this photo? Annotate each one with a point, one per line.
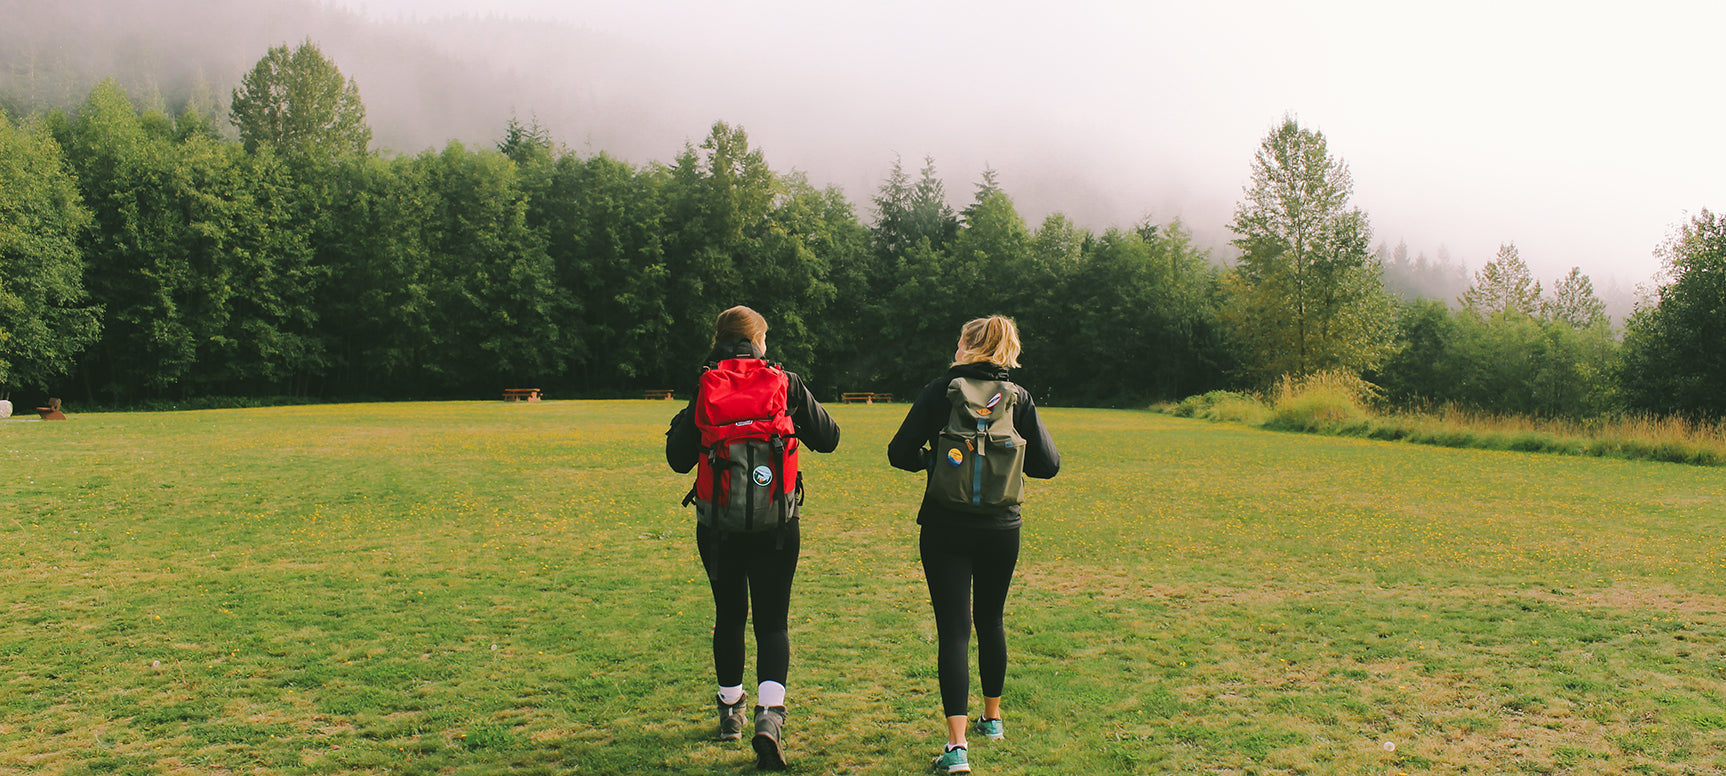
(771, 694)
(731, 695)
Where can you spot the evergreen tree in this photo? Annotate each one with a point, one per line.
(720, 198)
(891, 233)
(991, 267)
(1420, 277)
(930, 216)
(988, 185)
(525, 144)
(907, 212)
(1573, 302)
(1503, 287)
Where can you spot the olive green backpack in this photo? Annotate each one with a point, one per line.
(979, 458)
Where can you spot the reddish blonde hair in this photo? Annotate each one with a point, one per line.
(740, 323)
(994, 339)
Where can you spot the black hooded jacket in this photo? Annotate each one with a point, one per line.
(910, 447)
(815, 428)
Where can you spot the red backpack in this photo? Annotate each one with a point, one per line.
(746, 480)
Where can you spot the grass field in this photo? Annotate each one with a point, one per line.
(476, 588)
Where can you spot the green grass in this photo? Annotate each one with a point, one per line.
(462, 588)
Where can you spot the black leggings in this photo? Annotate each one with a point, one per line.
(955, 559)
(742, 568)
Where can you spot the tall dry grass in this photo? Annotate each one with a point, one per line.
(1342, 404)
(1328, 402)
(1634, 436)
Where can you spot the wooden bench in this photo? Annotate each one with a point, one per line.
(521, 394)
(52, 411)
(663, 394)
(867, 397)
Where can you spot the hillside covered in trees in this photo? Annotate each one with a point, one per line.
(170, 246)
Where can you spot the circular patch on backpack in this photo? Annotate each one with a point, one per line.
(763, 476)
(955, 456)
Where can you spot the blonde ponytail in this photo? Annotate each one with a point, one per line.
(994, 339)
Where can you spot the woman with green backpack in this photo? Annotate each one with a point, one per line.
(975, 435)
(741, 431)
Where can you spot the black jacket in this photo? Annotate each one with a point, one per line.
(910, 447)
(815, 428)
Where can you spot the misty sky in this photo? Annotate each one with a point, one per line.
(1583, 136)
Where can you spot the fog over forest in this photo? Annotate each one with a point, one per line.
(426, 82)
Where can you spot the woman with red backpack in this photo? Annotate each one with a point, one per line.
(742, 430)
(975, 435)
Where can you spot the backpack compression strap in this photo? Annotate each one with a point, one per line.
(713, 494)
(777, 493)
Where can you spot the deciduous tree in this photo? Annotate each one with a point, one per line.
(298, 102)
(493, 291)
(197, 258)
(46, 317)
(139, 271)
(1307, 294)
(1675, 343)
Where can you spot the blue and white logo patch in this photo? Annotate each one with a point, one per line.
(763, 476)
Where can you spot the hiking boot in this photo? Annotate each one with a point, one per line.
(768, 743)
(953, 761)
(991, 728)
(731, 719)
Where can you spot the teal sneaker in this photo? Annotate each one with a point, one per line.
(991, 728)
(953, 761)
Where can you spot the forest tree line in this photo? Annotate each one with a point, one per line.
(148, 257)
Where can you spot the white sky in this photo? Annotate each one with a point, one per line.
(1581, 131)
